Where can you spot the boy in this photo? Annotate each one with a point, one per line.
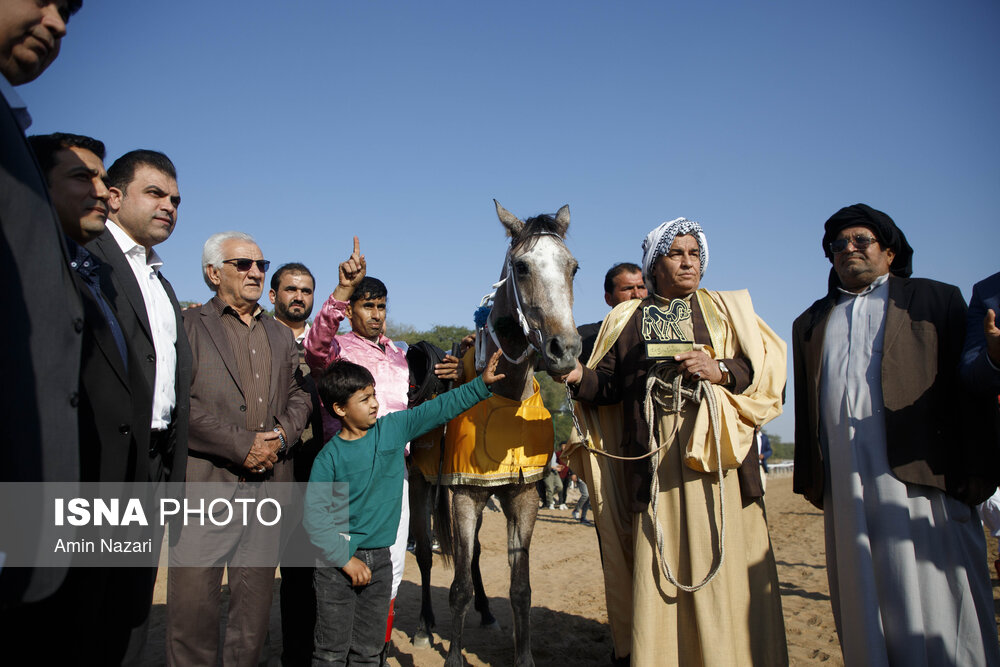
(352, 597)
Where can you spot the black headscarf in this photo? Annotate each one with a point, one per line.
(886, 231)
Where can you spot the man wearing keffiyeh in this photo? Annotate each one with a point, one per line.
(683, 521)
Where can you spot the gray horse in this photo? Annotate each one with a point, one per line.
(531, 321)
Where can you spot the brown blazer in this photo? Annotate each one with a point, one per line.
(218, 440)
(936, 433)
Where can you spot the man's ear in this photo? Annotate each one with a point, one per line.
(350, 310)
(271, 295)
(214, 275)
(607, 300)
(115, 197)
(338, 410)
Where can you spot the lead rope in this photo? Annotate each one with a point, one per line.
(671, 399)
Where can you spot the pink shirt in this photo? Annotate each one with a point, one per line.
(387, 366)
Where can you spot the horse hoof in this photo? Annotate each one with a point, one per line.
(493, 626)
(421, 640)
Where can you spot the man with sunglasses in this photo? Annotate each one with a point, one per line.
(142, 213)
(248, 408)
(891, 448)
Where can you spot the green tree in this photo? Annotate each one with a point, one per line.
(441, 335)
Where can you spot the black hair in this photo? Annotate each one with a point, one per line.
(339, 382)
(291, 267)
(369, 288)
(46, 146)
(121, 173)
(617, 270)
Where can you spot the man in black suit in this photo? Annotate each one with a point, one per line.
(38, 403)
(142, 202)
(113, 417)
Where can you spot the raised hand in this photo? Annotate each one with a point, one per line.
(351, 271)
(490, 372)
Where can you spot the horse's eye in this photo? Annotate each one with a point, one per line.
(521, 268)
(575, 270)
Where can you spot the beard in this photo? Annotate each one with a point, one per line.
(292, 316)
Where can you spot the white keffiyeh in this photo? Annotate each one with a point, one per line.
(658, 242)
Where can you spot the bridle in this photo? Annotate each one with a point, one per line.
(514, 293)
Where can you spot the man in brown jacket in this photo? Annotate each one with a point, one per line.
(247, 407)
(887, 444)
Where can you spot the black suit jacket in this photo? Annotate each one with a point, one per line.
(123, 293)
(115, 403)
(40, 351)
(937, 434)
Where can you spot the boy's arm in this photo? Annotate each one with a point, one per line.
(326, 517)
(444, 408)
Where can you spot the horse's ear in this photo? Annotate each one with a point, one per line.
(510, 221)
(562, 220)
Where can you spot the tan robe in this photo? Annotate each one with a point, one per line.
(736, 618)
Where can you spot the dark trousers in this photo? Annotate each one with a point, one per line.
(298, 616)
(350, 621)
(193, 598)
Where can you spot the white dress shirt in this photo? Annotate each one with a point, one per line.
(162, 322)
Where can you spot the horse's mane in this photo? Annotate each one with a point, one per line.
(534, 227)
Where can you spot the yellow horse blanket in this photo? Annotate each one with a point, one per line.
(497, 441)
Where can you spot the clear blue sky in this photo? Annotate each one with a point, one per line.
(305, 123)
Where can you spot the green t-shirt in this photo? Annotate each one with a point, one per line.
(372, 469)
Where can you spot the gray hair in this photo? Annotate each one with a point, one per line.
(211, 255)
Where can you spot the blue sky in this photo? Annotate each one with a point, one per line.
(307, 122)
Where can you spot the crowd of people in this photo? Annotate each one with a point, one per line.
(896, 426)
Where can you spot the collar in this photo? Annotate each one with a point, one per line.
(81, 260)
(130, 247)
(875, 284)
(383, 341)
(222, 307)
(16, 104)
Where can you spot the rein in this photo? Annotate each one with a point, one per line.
(670, 397)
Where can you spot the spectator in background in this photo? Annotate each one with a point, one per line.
(292, 287)
(553, 481)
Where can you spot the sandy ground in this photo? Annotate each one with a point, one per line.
(568, 618)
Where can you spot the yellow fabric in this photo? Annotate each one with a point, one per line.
(737, 331)
(497, 441)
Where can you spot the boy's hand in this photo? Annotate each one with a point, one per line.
(449, 369)
(489, 373)
(358, 572)
(350, 273)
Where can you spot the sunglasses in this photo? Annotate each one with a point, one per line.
(859, 241)
(243, 264)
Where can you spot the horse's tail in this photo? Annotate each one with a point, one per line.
(442, 521)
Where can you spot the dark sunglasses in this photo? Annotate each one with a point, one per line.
(859, 241)
(243, 264)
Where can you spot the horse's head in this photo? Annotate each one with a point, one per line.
(539, 286)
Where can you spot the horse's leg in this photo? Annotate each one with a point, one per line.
(421, 496)
(466, 507)
(482, 603)
(521, 507)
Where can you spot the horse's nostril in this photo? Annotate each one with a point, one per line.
(555, 349)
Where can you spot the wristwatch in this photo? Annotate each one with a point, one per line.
(284, 445)
(727, 377)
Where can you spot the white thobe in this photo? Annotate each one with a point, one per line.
(906, 562)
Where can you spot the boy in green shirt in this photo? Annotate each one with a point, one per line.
(366, 457)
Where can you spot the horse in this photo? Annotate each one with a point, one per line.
(531, 322)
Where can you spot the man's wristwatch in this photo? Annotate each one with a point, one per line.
(284, 445)
(727, 377)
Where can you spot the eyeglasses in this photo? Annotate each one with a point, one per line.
(859, 241)
(243, 264)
